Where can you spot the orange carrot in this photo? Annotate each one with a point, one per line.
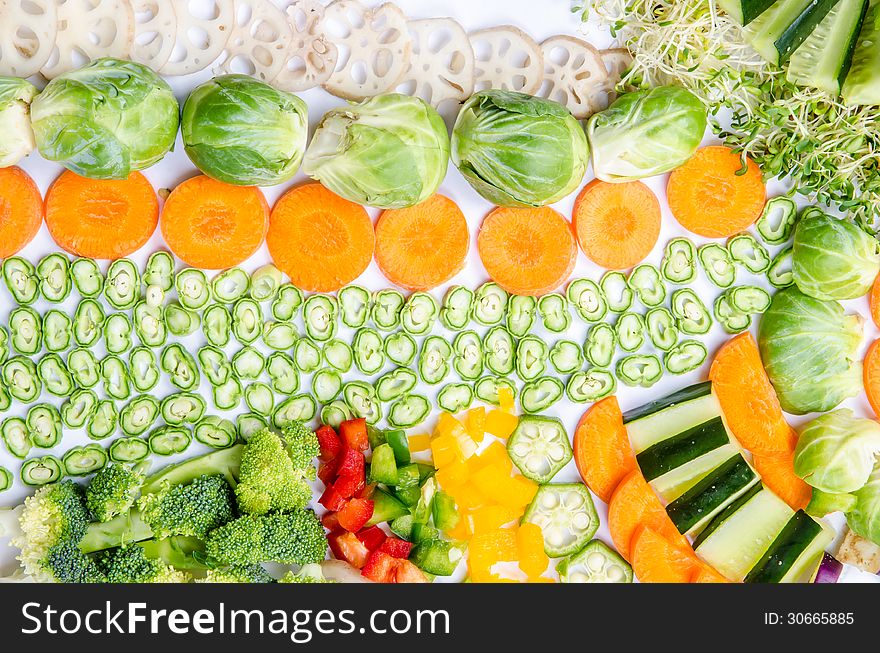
(749, 402)
(709, 197)
(777, 473)
(320, 240)
(871, 375)
(703, 573)
(602, 450)
(657, 560)
(21, 210)
(874, 301)
(617, 225)
(104, 219)
(421, 247)
(209, 224)
(527, 251)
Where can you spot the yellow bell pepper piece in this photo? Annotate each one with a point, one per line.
(447, 424)
(453, 475)
(462, 530)
(475, 422)
(492, 517)
(467, 496)
(500, 423)
(419, 442)
(505, 400)
(530, 549)
(445, 451)
(518, 493)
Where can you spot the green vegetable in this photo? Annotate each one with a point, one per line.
(54, 375)
(467, 353)
(395, 383)
(630, 331)
(299, 408)
(83, 367)
(86, 277)
(44, 425)
(647, 284)
(361, 399)
(159, 271)
(539, 447)
(521, 311)
(129, 450)
(169, 440)
(354, 305)
(531, 357)
(436, 556)
(326, 385)
(282, 373)
(748, 252)
(486, 389)
(618, 295)
(600, 345)
(41, 471)
(181, 408)
(103, 422)
(319, 315)
(139, 415)
(588, 299)
(369, 354)
(566, 515)
(639, 370)
(230, 285)
(248, 363)
(84, 460)
(122, 287)
(290, 538)
(661, 328)
(142, 369)
(76, 411)
(5, 474)
(193, 288)
(679, 261)
(114, 375)
(383, 465)
(266, 282)
(824, 503)
(864, 518)
(247, 424)
(259, 398)
(499, 350)
(215, 432)
(566, 356)
(21, 380)
(732, 320)
(387, 305)
(419, 313)
(541, 393)
(56, 330)
(336, 412)
(685, 357)
(690, 313)
(16, 437)
(149, 324)
(113, 491)
(180, 366)
(517, 150)
(25, 330)
(455, 397)
(21, 280)
(554, 312)
(777, 220)
(247, 321)
(456, 309)
(780, 273)
(286, 302)
(749, 299)
(133, 564)
(279, 335)
(53, 271)
(409, 411)
(88, 322)
(117, 333)
(434, 360)
(216, 324)
(16, 96)
(339, 356)
(718, 264)
(590, 386)
(490, 304)
(306, 356)
(595, 563)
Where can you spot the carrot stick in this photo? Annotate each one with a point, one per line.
(602, 450)
(874, 302)
(871, 375)
(21, 210)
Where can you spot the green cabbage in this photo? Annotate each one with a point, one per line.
(106, 119)
(646, 133)
(16, 135)
(390, 151)
(808, 347)
(242, 131)
(864, 518)
(518, 150)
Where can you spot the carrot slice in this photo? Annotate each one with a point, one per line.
(777, 473)
(874, 302)
(617, 225)
(209, 224)
(421, 247)
(871, 375)
(748, 400)
(21, 210)
(101, 218)
(527, 251)
(709, 197)
(703, 573)
(319, 239)
(601, 448)
(634, 504)
(655, 559)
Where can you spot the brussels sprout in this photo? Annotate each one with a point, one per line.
(809, 348)
(243, 131)
(518, 150)
(16, 135)
(106, 119)
(864, 518)
(833, 258)
(836, 452)
(646, 133)
(390, 151)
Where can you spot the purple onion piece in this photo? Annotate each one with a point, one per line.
(829, 570)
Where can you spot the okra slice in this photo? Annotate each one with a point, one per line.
(777, 220)
(661, 328)
(679, 261)
(16, 437)
(217, 325)
(554, 312)
(301, 408)
(103, 422)
(590, 386)
(531, 358)
(182, 408)
(521, 311)
(169, 440)
(779, 274)
(41, 471)
(159, 271)
(21, 280)
(193, 288)
(25, 330)
(335, 413)
(541, 393)
(76, 411)
(419, 313)
(566, 356)
(249, 363)
(748, 252)
(259, 398)
(228, 394)
(21, 380)
(44, 425)
(647, 284)
(57, 380)
(83, 368)
(456, 309)
(180, 366)
(595, 563)
(732, 320)
(467, 355)
(717, 264)
(282, 373)
(630, 331)
(395, 383)
(642, 370)
(690, 313)
(247, 424)
(339, 356)
(490, 304)
(122, 287)
(566, 516)
(326, 385)
(279, 335)
(149, 324)
(362, 401)
(214, 364)
(354, 306)
(588, 299)
(115, 377)
(499, 350)
(128, 450)
(455, 397)
(88, 322)
(685, 357)
(265, 283)
(618, 295)
(387, 305)
(400, 348)
(143, 369)
(539, 447)
(369, 350)
(749, 299)
(180, 320)
(230, 285)
(86, 277)
(215, 432)
(117, 333)
(287, 302)
(319, 316)
(139, 415)
(409, 411)
(434, 360)
(53, 271)
(306, 355)
(84, 460)
(56, 330)
(486, 389)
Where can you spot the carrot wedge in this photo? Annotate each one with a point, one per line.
(602, 450)
(21, 210)
(655, 559)
(874, 302)
(777, 473)
(871, 375)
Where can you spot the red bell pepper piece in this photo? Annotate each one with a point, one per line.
(396, 548)
(331, 499)
(355, 514)
(331, 522)
(372, 537)
(367, 492)
(329, 442)
(380, 567)
(354, 434)
(351, 463)
(346, 546)
(407, 572)
(349, 486)
(327, 471)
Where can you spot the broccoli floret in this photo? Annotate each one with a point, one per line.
(225, 462)
(290, 538)
(113, 491)
(130, 564)
(239, 574)
(308, 574)
(273, 479)
(192, 509)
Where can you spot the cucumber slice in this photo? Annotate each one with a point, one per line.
(682, 396)
(778, 32)
(682, 448)
(673, 484)
(793, 553)
(862, 84)
(745, 11)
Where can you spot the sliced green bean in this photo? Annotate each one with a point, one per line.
(217, 325)
(56, 379)
(143, 369)
(408, 411)
(122, 288)
(5, 480)
(486, 389)
(717, 264)
(335, 413)
(114, 374)
(25, 330)
(554, 312)
(180, 320)
(731, 319)
(455, 397)
(88, 323)
(265, 283)
(566, 356)
(287, 302)
(326, 385)
(139, 415)
(618, 295)
(531, 357)
(748, 252)
(83, 368)
(57, 331)
(180, 366)
(248, 363)
(354, 306)
(685, 357)
(169, 440)
(103, 422)
(434, 359)
(230, 285)
(419, 313)
(16, 437)
(282, 373)
(490, 304)
(306, 355)
(521, 311)
(21, 380)
(85, 460)
(215, 432)
(690, 313)
(647, 284)
(129, 450)
(338, 354)
(247, 424)
(228, 394)
(630, 331)
(588, 299)
(279, 335)
(159, 271)
(5, 399)
(400, 348)
(4, 344)
(78, 408)
(467, 355)
(590, 386)
(259, 398)
(679, 261)
(361, 399)
(779, 274)
(44, 425)
(21, 280)
(456, 310)
(395, 383)
(368, 349)
(149, 324)
(86, 277)
(777, 220)
(41, 471)
(661, 327)
(387, 305)
(642, 370)
(301, 408)
(541, 393)
(319, 316)
(749, 299)
(117, 333)
(182, 408)
(53, 271)
(499, 350)
(193, 288)
(214, 364)
(247, 320)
